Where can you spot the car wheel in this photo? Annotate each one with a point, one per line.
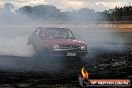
(46, 53)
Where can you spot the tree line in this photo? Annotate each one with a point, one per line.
(51, 13)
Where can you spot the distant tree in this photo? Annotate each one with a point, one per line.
(42, 12)
(51, 13)
(8, 7)
(118, 13)
(25, 10)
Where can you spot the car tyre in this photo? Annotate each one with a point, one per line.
(46, 53)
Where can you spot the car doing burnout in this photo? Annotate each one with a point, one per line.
(57, 42)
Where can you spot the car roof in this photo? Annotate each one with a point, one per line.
(56, 28)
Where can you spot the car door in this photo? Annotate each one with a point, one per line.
(36, 40)
(41, 40)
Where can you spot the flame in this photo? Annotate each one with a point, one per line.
(84, 73)
(84, 77)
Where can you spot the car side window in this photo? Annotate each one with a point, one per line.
(71, 35)
(36, 32)
(41, 33)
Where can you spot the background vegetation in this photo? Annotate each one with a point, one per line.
(51, 13)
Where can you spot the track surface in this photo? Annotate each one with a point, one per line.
(63, 72)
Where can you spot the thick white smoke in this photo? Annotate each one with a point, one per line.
(13, 41)
(16, 55)
(15, 47)
(14, 32)
(14, 38)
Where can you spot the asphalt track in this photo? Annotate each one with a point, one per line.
(47, 72)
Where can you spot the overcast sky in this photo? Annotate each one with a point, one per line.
(64, 5)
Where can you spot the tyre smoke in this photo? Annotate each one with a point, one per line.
(16, 55)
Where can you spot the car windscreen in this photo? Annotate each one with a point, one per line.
(59, 33)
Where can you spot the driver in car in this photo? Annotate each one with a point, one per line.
(62, 34)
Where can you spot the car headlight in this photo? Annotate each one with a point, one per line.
(83, 48)
(56, 46)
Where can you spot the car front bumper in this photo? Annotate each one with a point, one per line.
(68, 52)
